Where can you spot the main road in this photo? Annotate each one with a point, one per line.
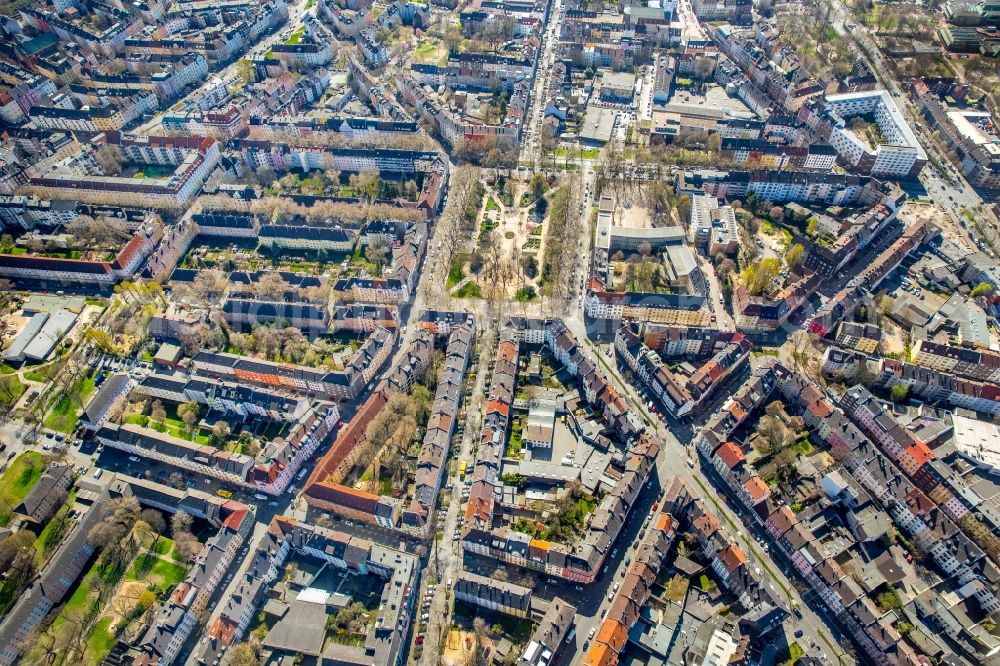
(673, 462)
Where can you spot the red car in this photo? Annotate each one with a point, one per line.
(420, 640)
(656, 505)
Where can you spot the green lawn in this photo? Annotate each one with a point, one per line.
(5, 369)
(18, 480)
(296, 36)
(470, 290)
(525, 294)
(588, 153)
(156, 570)
(80, 595)
(102, 639)
(455, 274)
(171, 425)
(54, 530)
(154, 171)
(803, 447)
(425, 51)
(491, 204)
(165, 548)
(63, 417)
(791, 654)
(11, 389)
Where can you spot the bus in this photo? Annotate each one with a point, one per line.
(461, 469)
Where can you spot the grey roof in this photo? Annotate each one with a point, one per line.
(101, 402)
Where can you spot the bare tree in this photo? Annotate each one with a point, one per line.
(110, 158)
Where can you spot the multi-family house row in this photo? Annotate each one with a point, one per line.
(76, 552)
(440, 322)
(137, 440)
(176, 322)
(863, 337)
(782, 186)
(313, 237)
(177, 73)
(18, 211)
(912, 511)
(550, 635)
(680, 395)
(440, 428)
(219, 123)
(413, 516)
(899, 155)
(102, 42)
(243, 313)
(494, 595)
(337, 385)
(322, 487)
(836, 244)
(933, 385)
(304, 54)
(400, 572)
(364, 317)
(47, 495)
(493, 437)
(274, 129)
(406, 257)
(372, 290)
(980, 364)
(843, 302)
(271, 473)
(79, 271)
(283, 157)
(228, 224)
(580, 563)
(111, 115)
(452, 126)
(762, 313)
(782, 525)
(193, 159)
(669, 309)
(180, 613)
(23, 93)
(106, 401)
(230, 398)
(612, 635)
(245, 283)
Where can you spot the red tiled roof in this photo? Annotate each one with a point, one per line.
(920, 452)
(665, 522)
(757, 488)
(614, 634)
(732, 557)
(222, 630)
(237, 512)
(730, 454)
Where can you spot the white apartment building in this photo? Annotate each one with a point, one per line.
(900, 155)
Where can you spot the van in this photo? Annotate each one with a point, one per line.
(260, 496)
(98, 472)
(301, 475)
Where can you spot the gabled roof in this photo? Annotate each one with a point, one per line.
(730, 454)
(732, 557)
